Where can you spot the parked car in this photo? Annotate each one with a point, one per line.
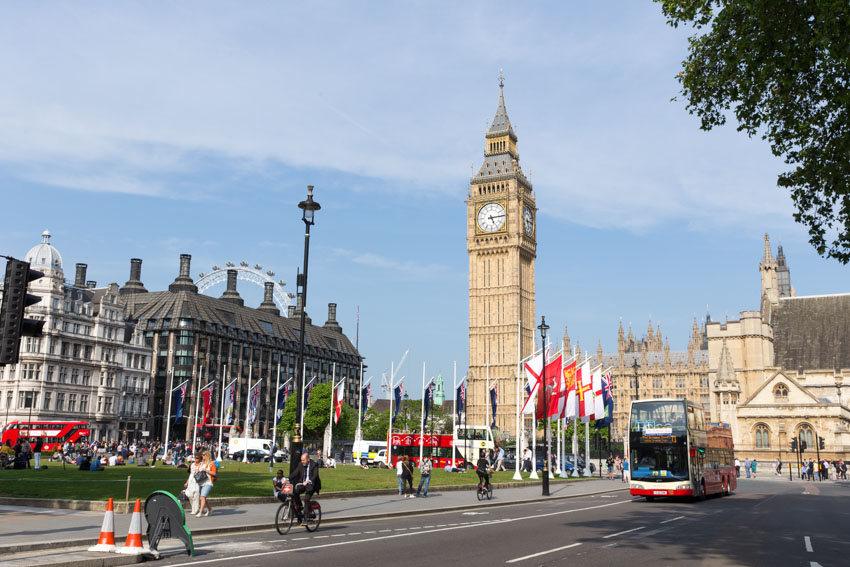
(254, 456)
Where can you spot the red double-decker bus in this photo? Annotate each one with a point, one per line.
(53, 434)
(436, 447)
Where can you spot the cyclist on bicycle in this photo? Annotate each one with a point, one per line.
(305, 480)
(482, 468)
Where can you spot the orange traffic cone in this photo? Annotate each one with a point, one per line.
(133, 546)
(106, 541)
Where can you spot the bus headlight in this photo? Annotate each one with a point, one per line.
(683, 487)
(636, 486)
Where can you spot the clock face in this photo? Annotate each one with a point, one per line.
(491, 217)
(528, 221)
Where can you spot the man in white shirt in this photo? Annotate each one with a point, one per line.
(113, 460)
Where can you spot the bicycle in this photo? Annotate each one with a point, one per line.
(286, 513)
(484, 491)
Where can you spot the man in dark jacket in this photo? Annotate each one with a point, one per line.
(305, 480)
(36, 452)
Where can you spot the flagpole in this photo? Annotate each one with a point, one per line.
(329, 448)
(517, 475)
(274, 419)
(196, 399)
(454, 417)
(221, 415)
(358, 434)
(390, 426)
(168, 417)
(422, 416)
(487, 394)
(247, 403)
(546, 420)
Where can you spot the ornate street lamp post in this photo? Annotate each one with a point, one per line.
(308, 208)
(543, 327)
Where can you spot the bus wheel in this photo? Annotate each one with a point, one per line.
(701, 495)
(650, 498)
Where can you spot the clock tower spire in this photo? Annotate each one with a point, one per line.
(501, 243)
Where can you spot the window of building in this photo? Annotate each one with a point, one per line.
(84, 403)
(762, 437)
(46, 404)
(27, 400)
(72, 402)
(780, 393)
(100, 404)
(60, 401)
(804, 433)
(63, 374)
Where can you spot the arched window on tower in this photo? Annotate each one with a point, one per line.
(780, 393)
(762, 437)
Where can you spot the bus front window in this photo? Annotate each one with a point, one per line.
(659, 461)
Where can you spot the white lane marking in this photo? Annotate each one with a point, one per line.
(408, 534)
(625, 532)
(672, 519)
(452, 524)
(400, 529)
(543, 553)
(808, 541)
(339, 535)
(383, 531)
(814, 564)
(320, 536)
(427, 527)
(354, 533)
(441, 525)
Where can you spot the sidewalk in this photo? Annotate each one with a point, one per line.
(27, 529)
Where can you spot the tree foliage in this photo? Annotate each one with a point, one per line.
(783, 68)
(375, 425)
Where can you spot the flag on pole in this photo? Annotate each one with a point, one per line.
(570, 404)
(206, 397)
(338, 394)
(460, 398)
(229, 399)
(534, 381)
(180, 395)
(598, 401)
(397, 391)
(427, 401)
(552, 391)
(607, 401)
(253, 402)
(584, 393)
(281, 402)
(365, 393)
(494, 398)
(307, 391)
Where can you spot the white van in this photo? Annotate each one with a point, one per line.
(369, 452)
(238, 444)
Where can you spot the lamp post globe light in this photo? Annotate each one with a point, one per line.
(308, 212)
(543, 327)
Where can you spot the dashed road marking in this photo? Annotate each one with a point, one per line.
(624, 532)
(808, 542)
(672, 519)
(542, 553)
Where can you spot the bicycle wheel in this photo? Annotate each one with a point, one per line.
(283, 518)
(314, 518)
(480, 493)
(490, 492)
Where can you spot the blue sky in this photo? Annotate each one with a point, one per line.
(150, 130)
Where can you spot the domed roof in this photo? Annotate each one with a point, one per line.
(44, 256)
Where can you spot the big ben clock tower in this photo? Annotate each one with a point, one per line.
(501, 228)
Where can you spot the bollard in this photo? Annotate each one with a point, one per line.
(127, 497)
(790, 477)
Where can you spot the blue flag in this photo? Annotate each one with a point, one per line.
(281, 403)
(364, 395)
(429, 399)
(180, 397)
(397, 391)
(460, 399)
(494, 398)
(608, 402)
(307, 393)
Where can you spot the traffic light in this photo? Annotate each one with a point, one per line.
(13, 325)
(822, 445)
(803, 446)
(793, 444)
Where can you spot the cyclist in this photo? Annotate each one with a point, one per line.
(482, 468)
(305, 480)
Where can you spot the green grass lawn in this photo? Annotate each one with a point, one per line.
(235, 479)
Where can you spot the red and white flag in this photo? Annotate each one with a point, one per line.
(338, 395)
(570, 410)
(553, 389)
(584, 395)
(206, 396)
(534, 377)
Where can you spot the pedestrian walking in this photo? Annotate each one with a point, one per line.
(407, 476)
(26, 449)
(424, 476)
(500, 460)
(625, 470)
(526, 459)
(609, 462)
(205, 481)
(778, 466)
(399, 472)
(747, 464)
(737, 468)
(754, 465)
(192, 489)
